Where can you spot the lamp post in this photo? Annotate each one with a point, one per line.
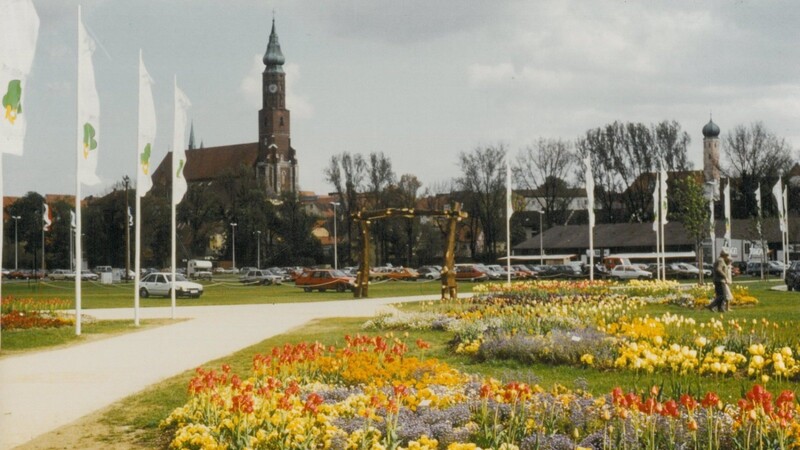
(16, 242)
(258, 250)
(335, 238)
(127, 182)
(233, 251)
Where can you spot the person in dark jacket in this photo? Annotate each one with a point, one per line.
(721, 279)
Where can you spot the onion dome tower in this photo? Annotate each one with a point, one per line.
(711, 153)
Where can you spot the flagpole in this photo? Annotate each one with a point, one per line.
(786, 228)
(172, 201)
(657, 200)
(78, 240)
(137, 263)
(661, 212)
(509, 210)
(2, 226)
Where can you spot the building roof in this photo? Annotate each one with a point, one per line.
(631, 235)
(204, 164)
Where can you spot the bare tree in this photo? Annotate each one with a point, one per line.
(755, 151)
(756, 157)
(346, 173)
(380, 176)
(623, 154)
(543, 168)
(483, 186)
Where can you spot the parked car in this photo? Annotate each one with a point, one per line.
(61, 274)
(223, 270)
(100, 269)
(630, 272)
(469, 272)
(402, 274)
(88, 275)
(792, 279)
(160, 283)
(430, 272)
(568, 270)
(324, 279)
(201, 275)
(754, 268)
(263, 277)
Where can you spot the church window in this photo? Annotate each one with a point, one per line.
(281, 120)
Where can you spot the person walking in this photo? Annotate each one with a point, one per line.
(720, 278)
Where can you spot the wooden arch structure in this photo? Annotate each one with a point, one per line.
(365, 218)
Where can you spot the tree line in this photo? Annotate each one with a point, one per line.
(548, 173)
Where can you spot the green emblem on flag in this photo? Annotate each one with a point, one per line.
(12, 101)
(179, 173)
(145, 159)
(89, 142)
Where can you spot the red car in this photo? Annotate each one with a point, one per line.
(324, 279)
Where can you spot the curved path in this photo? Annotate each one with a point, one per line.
(42, 391)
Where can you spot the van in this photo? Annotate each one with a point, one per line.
(198, 265)
(102, 269)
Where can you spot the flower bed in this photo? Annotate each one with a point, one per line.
(25, 313)
(600, 324)
(371, 395)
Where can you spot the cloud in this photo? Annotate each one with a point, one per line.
(251, 90)
(480, 74)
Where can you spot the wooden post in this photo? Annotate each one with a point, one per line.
(449, 285)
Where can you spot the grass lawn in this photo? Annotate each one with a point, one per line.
(222, 291)
(136, 418)
(17, 341)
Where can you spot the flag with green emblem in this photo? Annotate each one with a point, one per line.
(147, 130)
(88, 109)
(178, 145)
(20, 28)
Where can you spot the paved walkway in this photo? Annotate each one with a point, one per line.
(42, 391)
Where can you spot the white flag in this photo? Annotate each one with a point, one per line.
(147, 130)
(178, 147)
(777, 191)
(785, 222)
(758, 203)
(656, 216)
(88, 109)
(130, 216)
(663, 214)
(47, 217)
(509, 206)
(20, 28)
(72, 219)
(728, 213)
(589, 190)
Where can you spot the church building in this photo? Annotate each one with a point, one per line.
(272, 158)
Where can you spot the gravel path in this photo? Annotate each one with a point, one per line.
(42, 391)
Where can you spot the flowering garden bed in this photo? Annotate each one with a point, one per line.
(27, 313)
(370, 393)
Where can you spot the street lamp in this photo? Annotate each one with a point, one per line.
(258, 250)
(335, 238)
(233, 252)
(16, 243)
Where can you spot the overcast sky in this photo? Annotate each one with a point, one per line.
(418, 80)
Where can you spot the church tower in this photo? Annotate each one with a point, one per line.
(277, 161)
(711, 156)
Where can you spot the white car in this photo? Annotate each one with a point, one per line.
(630, 272)
(159, 283)
(61, 274)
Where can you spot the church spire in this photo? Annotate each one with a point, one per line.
(273, 58)
(191, 137)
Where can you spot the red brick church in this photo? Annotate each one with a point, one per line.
(272, 158)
